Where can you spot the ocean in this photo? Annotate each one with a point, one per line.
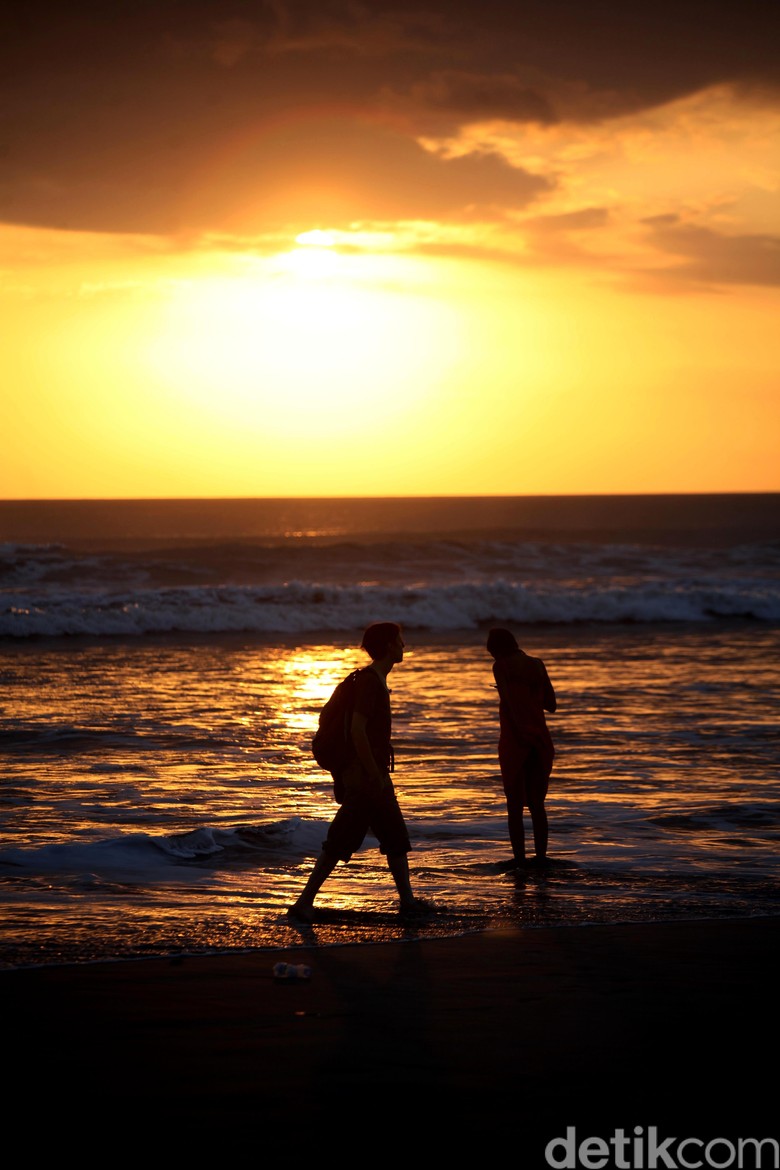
(163, 665)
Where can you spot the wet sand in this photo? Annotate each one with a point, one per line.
(425, 1048)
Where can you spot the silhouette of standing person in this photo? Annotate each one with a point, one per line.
(525, 747)
(369, 797)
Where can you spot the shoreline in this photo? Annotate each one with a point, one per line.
(503, 1035)
(415, 935)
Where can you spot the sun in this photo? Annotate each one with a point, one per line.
(312, 340)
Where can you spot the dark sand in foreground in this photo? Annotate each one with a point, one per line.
(419, 1048)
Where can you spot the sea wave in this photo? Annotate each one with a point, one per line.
(145, 852)
(303, 607)
(398, 562)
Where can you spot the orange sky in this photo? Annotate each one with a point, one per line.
(325, 249)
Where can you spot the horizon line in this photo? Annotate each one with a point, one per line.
(390, 496)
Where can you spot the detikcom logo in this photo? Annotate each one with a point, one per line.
(644, 1150)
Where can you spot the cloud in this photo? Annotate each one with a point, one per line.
(165, 119)
(547, 61)
(345, 30)
(704, 256)
(585, 219)
(315, 170)
(450, 98)
(351, 28)
(710, 161)
(332, 172)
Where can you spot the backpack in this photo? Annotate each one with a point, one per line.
(332, 746)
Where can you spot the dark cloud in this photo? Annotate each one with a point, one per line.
(372, 30)
(450, 98)
(313, 171)
(124, 116)
(640, 54)
(332, 172)
(341, 30)
(707, 257)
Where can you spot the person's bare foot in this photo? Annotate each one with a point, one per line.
(300, 913)
(417, 908)
(510, 864)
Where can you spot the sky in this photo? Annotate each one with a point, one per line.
(296, 248)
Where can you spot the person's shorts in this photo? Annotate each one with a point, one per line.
(525, 773)
(365, 809)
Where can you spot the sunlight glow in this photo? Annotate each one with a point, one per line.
(306, 347)
(316, 238)
(374, 367)
(311, 262)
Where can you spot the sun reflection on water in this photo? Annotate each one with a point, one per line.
(663, 792)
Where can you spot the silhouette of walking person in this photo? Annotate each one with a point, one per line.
(369, 800)
(525, 746)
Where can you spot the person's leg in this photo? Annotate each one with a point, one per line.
(535, 793)
(539, 822)
(303, 907)
(512, 758)
(410, 906)
(514, 812)
(345, 836)
(399, 868)
(389, 828)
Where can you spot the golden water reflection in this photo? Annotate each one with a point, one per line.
(666, 765)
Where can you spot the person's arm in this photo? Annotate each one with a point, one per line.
(363, 748)
(548, 694)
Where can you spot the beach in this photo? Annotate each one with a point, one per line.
(161, 808)
(431, 1047)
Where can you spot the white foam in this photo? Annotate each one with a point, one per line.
(299, 607)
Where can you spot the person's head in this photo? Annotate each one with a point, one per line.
(501, 642)
(379, 637)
